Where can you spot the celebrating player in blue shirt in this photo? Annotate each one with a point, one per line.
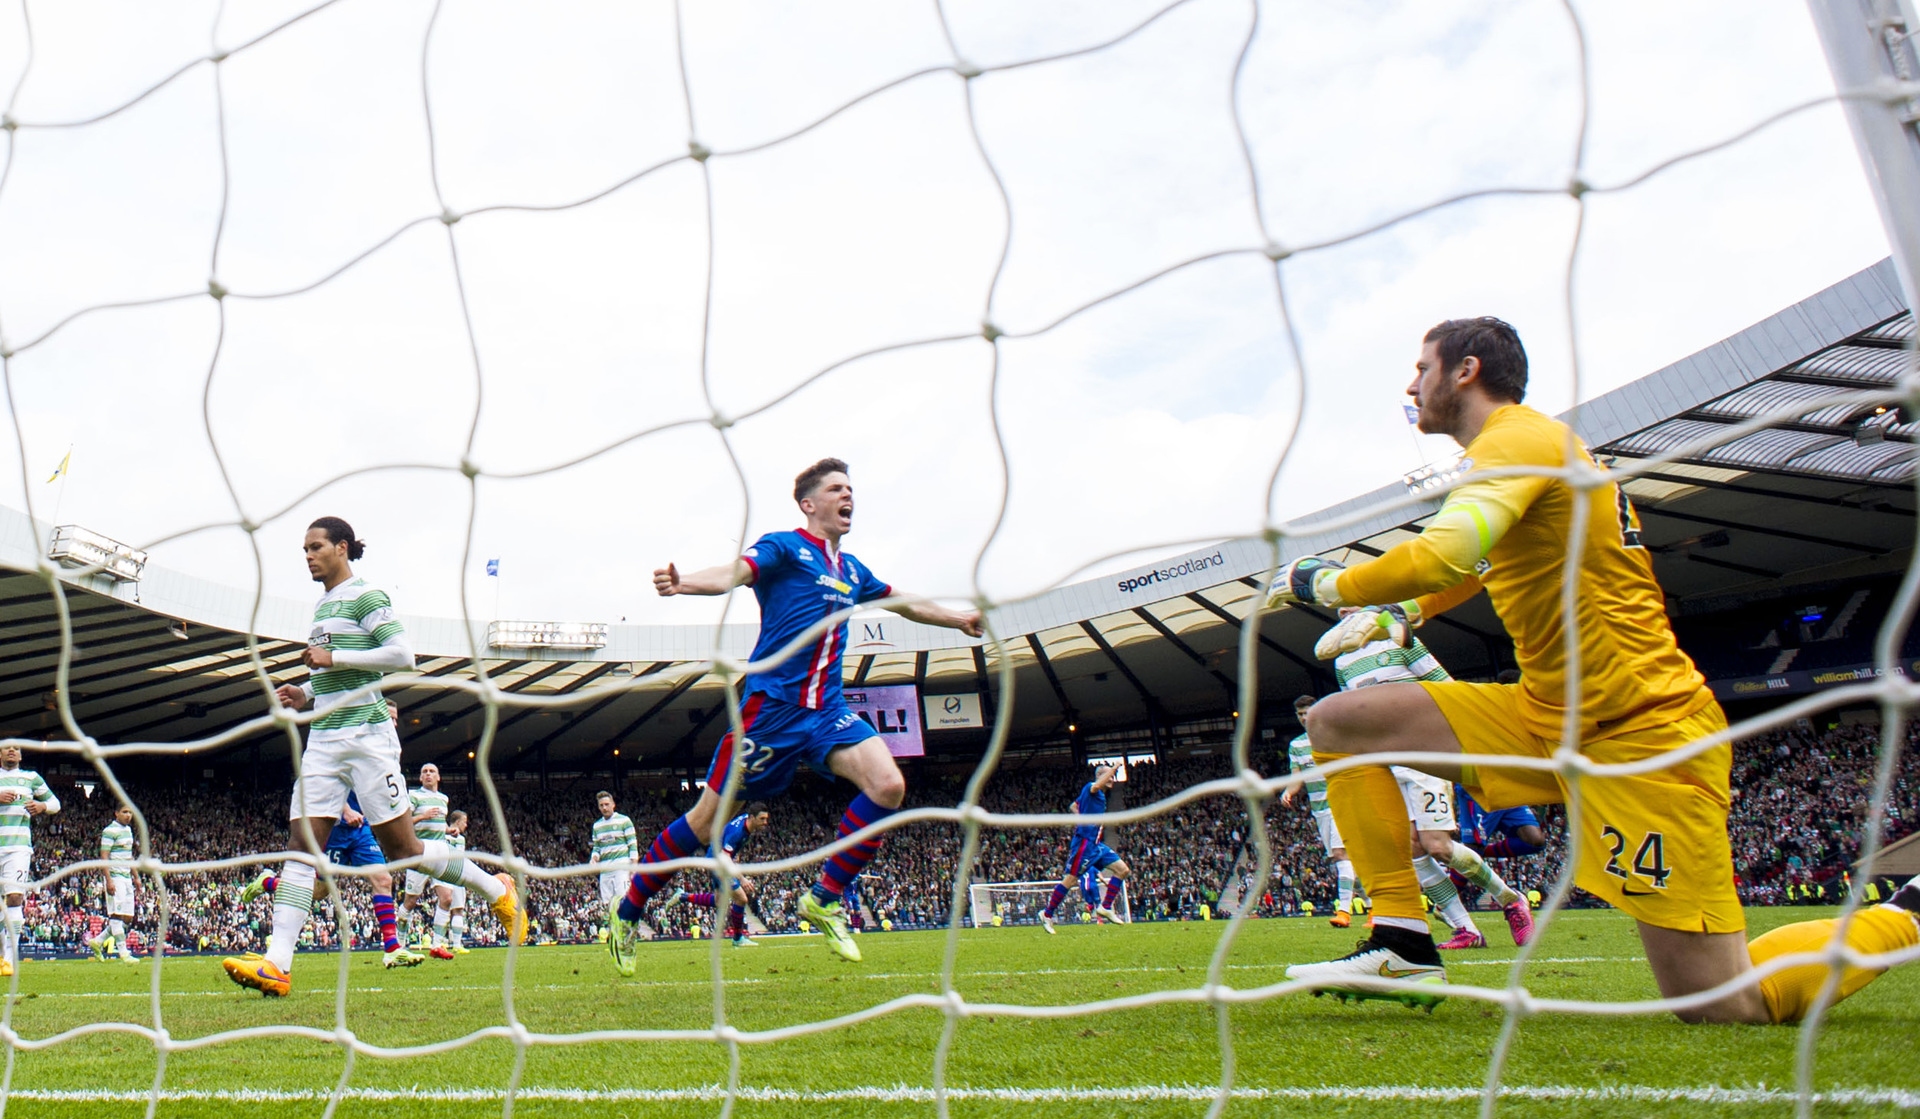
(792, 711)
(1087, 855)
(738, 831)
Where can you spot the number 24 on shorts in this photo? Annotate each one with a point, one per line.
(1649, 859)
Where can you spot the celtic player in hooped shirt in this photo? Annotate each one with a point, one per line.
(352, 747)
(792, 711)
(1653, 844)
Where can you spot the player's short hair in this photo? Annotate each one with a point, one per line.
(810, 477)
(756, 807)
(603, 793)
(1305, 700)
(1503, 360)
(456, 815)
(340, 532)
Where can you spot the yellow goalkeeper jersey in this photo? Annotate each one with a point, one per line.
(1510, 535)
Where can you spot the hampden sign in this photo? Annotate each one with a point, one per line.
(1793, 683)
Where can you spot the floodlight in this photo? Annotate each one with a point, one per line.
(547, 635)
(73, 546)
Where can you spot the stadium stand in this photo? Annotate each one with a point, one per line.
(1796, 826)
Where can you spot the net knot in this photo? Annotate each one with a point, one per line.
(450, 216)
(720, 421)
(216, 289)
(967, 69)
(991, 332)
(699, 151)
(249, 526)
(956, 1003)
(1578, 187)
(6, 349)
(1277, 252)
(219, 56)
(469, 468)
(7, 123)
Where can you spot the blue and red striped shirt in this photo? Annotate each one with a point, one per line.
(799, 580)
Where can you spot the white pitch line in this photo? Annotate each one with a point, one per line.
(1199, 970)
(1906, 1099)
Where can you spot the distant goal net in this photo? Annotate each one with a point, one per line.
(1020, 903)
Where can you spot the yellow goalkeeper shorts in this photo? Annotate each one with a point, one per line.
(1655, 844)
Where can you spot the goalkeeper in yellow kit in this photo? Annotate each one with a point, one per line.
(1653, 844)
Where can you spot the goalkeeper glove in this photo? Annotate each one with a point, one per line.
(1309, 580)
(1367, 625)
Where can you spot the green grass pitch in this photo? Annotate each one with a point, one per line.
(1295, 1056)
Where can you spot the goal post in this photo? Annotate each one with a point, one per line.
(1020, 903)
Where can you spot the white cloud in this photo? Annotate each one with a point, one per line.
(1157, 416)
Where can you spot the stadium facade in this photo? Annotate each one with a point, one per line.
(1779, 551)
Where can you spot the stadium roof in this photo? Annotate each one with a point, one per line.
(1821, 497)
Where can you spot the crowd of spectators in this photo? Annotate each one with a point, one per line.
(1799, 810)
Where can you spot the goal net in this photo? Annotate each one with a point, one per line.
(999, 904)
(589, 279)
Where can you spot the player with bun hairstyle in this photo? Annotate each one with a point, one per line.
(352, 749)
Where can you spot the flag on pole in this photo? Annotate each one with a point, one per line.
(493, 567)
(62, 468)
(1413, 414)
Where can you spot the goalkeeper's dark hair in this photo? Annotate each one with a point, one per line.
(803, 486)
(340, 532)
(1503, 360)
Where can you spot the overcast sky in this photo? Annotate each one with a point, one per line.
(1156, 417)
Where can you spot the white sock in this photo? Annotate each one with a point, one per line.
(1345, 870)
(455, 870)
(292, 904)
(1440, 890)
(439, 924)
(16, 920)
(459, 933)
(1474, 869)
(117, 928)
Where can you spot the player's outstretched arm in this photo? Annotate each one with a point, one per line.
(933, 614)
(719, 579)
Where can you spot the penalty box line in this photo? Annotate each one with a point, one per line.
(1905, 1099)
(746, 980)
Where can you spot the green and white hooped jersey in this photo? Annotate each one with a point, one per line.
(356, 616)
(457, 844)
(1383, 662)
(15, 828)
(1299, 760)
(614, 839)
(422, 799)
(116, 846)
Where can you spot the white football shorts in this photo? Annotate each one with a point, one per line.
(366, 762)
(1429, 799)
(1329, 832)
(613, 886)
(120, 897)
(16, 867)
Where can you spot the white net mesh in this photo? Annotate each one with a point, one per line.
(1021, 903)
(953, 76)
